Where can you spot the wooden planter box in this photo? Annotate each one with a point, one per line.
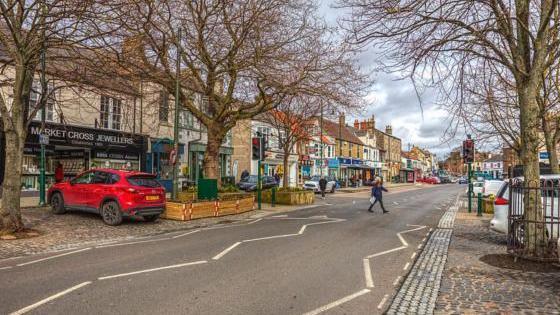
(305, 197)
(205, 209)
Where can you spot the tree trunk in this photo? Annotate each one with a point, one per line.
(534, 231)
(211, 161)
(10, 215)
(286, 175)
(550, 142)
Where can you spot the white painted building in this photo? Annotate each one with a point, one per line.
(494, 165)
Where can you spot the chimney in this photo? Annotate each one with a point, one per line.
(389, 130)
(371, 124)
(363, 125)
(342, 120)
(356, 124)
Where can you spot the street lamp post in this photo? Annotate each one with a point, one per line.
(42, 179)
(321, 147)
(176, 121)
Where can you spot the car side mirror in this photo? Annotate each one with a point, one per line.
(72, 182)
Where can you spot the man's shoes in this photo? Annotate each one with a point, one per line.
(385, 211)
(369, 210)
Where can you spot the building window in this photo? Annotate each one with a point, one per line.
(330, 151)
(163, 106)
(110, 113)
(35, 98)
(186, 119)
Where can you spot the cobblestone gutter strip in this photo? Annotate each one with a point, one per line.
(419, 292)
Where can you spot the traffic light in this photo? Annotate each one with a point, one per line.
(256, 148)
(468, 151)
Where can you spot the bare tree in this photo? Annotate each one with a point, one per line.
(242, 57)
(28, 28)
(440, 42)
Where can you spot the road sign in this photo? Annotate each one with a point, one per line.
(43, 139)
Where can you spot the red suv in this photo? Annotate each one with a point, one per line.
(111, 193)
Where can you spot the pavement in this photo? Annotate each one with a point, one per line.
(333, 258)
(464, 269)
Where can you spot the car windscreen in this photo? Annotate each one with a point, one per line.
(143, 181)
(315, 178)
(251, 179)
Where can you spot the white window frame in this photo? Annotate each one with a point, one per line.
(34, 98)
(113, 117)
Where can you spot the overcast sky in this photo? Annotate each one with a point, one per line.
(394, 102)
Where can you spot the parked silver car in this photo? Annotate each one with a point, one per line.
(313, 184)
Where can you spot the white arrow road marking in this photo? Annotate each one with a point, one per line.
(367, 269)
(337, 302)
(52, 257)
(50, 298)
(300, 232)
(153, 269)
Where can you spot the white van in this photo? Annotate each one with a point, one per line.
(549, 199)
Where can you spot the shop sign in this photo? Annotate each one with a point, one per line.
(84, 137)
(345, 161)
(44, 139)
(333, 163)
(357, 162)
(115, 155)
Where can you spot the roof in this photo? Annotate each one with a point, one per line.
(327, 141)
(333, 129)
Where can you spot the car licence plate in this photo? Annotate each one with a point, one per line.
(151, 198)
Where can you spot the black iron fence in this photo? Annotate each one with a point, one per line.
(534, 219)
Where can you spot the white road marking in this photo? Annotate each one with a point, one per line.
(380, 305)
(131, 243)
(255, 221)
(337, 302)
(413, 256)
(225, 251)
(386, 252)
(187, 233)
(50, 298)
(367, 271)
(4, 268)
(153, 269)
(419, 245)
(423, 240)
(52, 257)
(397, 281)
(269, 237)
(11, 258)
(279, 216)
(395, 203)
(402, 240)
(406, 266)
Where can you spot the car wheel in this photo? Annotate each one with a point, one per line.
(111, 213)
(151, 218)
(57, 204)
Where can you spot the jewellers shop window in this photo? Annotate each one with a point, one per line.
(163, 106)
(110, 112)
(35, 98)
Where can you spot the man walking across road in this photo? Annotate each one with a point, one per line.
(377, 193)
(323, 186)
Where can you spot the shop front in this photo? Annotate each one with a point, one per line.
(407, 175)
(305, 168)
(77, 149)
(196, 162)
(274, 165)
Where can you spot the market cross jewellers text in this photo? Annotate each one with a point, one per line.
(87, 136)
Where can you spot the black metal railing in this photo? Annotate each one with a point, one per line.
(534, 219)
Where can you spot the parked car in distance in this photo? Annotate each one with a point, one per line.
(113, 194)
(249, 183)
(492, 187)
(313, 184)
(500, 222)
(478, 187)
(463, 180)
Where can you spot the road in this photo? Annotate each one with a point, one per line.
(336, 258)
